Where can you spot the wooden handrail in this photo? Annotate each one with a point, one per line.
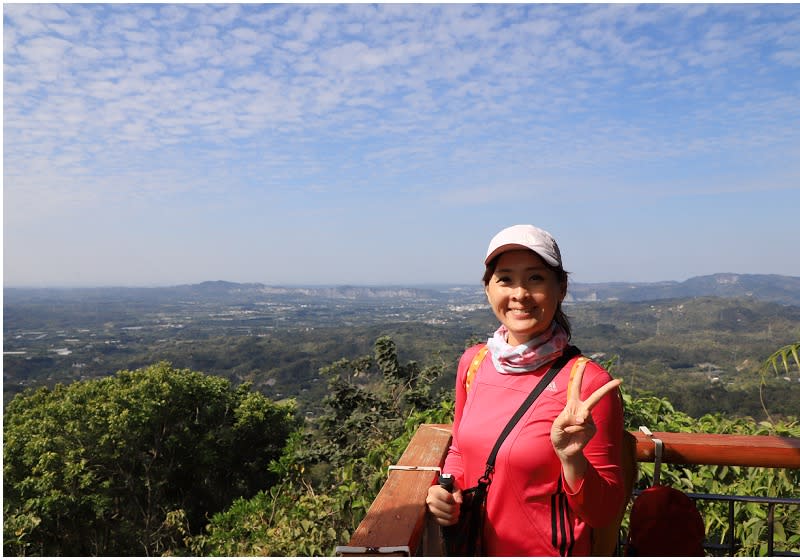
(720, 449)
(397, 516)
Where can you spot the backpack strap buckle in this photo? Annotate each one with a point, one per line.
(659, 449)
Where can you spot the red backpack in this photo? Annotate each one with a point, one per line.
(665, 522)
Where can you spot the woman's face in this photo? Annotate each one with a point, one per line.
(524, 294)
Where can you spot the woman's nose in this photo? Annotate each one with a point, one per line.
(519, 292)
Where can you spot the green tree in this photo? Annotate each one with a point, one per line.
(782, 357)
(332, 469)
(133, 463)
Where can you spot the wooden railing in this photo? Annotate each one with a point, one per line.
(396, 522)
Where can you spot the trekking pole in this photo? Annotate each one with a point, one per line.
(447, 482)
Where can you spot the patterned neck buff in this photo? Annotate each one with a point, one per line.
(530, 356)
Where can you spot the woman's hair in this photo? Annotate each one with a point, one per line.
(562, 276)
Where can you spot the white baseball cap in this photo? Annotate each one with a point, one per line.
(525, 237)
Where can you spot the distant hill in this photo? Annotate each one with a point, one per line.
(764, 287)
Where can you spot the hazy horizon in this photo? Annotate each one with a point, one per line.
(154, 145)
(476, 284)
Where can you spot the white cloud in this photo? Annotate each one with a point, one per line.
(246, 34)
(326, 97)
(172, 14)
(788, 57)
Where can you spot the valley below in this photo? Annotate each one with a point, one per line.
(703, 350)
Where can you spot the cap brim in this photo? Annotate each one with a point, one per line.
(516, 246)
(503, 249)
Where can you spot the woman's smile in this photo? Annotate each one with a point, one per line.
(524, 294)
(521, 313)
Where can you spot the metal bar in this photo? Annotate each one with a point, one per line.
(731, 524)
(771, 525)
(729, 497)
(730, 542)
(373, 550)
(747, 499)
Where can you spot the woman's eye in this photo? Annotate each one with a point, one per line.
(537, 277)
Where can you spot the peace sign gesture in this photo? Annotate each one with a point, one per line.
(574, 427)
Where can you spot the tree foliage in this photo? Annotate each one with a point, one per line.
(332, 470)
(129, 464)
(781, 356)
(749, 522)
(165, 461)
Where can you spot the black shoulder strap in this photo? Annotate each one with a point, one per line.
(569, 353)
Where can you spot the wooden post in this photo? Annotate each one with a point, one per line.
(397, 516)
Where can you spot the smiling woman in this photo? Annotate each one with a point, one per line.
(557, 475)
(524, 294)
(526, 284)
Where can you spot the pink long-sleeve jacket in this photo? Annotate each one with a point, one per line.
(530, 509)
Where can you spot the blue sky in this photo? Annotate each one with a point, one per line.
(150, 144)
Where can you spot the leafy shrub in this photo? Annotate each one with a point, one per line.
(132, 464)
(749, 526)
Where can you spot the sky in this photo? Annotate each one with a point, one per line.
(369, 144)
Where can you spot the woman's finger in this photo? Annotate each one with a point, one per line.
(595, 397)
(576, 429)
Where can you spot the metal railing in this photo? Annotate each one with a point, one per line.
(731, 546)
(727, 450)
(397, 523)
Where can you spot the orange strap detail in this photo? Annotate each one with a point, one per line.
(476, 363)
(473, 367)
(578, 362)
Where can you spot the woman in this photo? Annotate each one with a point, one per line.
(558, 472)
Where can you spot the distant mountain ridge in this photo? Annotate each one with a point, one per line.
(221, 287)
(765, 287)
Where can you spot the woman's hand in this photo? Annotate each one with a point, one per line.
(443, 505)
(574, 427)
